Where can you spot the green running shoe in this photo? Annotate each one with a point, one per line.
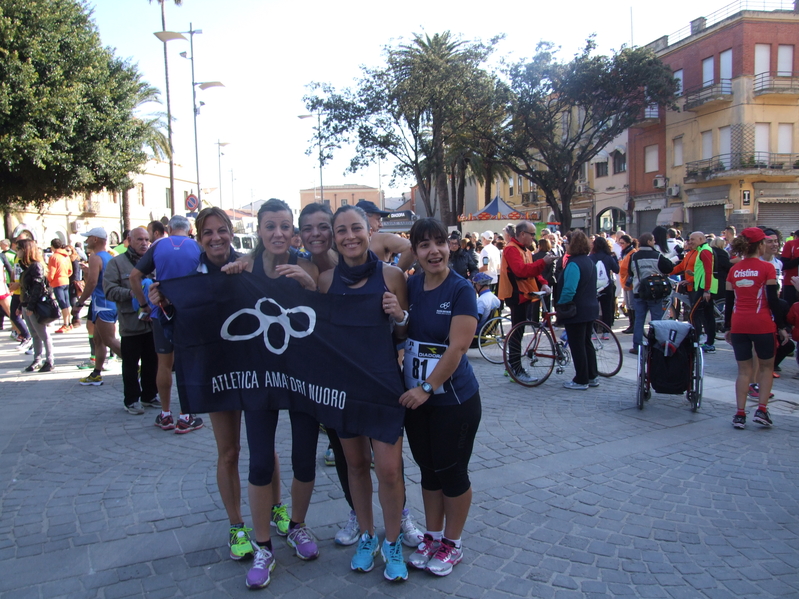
(280, 519)
(239, 543)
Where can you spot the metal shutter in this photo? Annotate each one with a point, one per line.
(783, 217)
(647, 220)
(708, 219)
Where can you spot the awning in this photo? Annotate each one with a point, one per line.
(672, 214)
(621, 148)
(602, 156)
(647, 208)
(778, 200)
(707, 203)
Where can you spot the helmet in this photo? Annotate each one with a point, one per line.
(481, 278)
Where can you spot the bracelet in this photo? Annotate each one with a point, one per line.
(404, 321)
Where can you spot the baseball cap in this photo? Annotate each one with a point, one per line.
(487, 235)
(753, 234)
(371, 208)
(96, 232)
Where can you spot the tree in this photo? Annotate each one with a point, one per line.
(411, 109)
(67, 122)
(562, 114)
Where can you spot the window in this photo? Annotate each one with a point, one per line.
(344, 202)
(707, 145)
(725, 65)
(510, 185)
(678, 75)
(326, 203)
(140, 193)
(651, 159)
(677, 151)
(601, 169)
(361, 199)
(168, 199)
(519, 182)
(619, 163)
(785, 138)
(708, 71)
(762, 141)
(762, 58)
(785, 61)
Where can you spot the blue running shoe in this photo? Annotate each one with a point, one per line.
(364, 558)
(396, 570)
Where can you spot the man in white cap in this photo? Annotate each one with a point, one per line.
(490, 258)
(103, 313)
(385, 244)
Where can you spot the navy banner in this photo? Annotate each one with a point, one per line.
(241, 344)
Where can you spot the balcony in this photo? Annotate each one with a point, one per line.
(736, 164)
(780, 82)
(91, 206)
(708, 95)
(650, 116)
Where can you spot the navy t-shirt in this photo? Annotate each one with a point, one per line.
(431, 313)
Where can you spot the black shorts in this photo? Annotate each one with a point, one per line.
(764, 343)
(162, 344)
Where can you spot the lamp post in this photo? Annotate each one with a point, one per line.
(219, 146)
(166, 36)
(321, 156)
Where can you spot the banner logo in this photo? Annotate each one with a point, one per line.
(267, 321)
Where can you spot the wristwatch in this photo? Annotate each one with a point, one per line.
(427, 387)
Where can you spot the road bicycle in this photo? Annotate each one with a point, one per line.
(490, 339)
(541, 350)
(677, 306)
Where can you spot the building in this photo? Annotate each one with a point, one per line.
(729, 156)
(148, 200)
(337, 196)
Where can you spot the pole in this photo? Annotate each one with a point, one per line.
(219, 158)
(194, 107)
(321, 157)
(168, 120)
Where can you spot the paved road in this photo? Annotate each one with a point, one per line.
(577, 494)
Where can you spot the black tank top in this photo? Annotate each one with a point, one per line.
(258, 270)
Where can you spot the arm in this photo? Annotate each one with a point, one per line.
(395, 300)
(461, 333)
(52, 267)
(136, 278)
(93, 274)
(614, 263)
(665, 265)
(525, 271)
(112, 284)
(571, 278)
(707, 262)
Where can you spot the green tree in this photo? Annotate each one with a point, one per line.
(412, 109)
(562, 114)
(67, 104)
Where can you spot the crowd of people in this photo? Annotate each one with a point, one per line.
(434, 288)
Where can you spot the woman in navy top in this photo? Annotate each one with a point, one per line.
(359, 271)
(443, 398)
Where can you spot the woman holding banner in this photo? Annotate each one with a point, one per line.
(443, 398)
(359, 271)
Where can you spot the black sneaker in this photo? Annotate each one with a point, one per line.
(739, 421)
(762, 417)
(35, 366)
(47, 367)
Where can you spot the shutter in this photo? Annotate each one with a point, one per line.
(779, 216)
(647, 220)
(708, 219)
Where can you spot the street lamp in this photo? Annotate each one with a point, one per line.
(321, 156)
(219, 146)
(166, 36)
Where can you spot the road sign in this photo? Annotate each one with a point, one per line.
(192, 202)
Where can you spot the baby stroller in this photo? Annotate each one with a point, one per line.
(670, 361)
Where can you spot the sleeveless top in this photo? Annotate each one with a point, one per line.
(98, 293)
(374, 284)
(258, 270)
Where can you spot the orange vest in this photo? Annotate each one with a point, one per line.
(506, 277)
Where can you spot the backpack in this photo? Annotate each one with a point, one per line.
(602, 278)
(653, 287)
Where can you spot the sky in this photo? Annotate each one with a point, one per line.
(266, 52)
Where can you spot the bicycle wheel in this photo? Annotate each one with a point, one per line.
(491, 339)
(642, 391)
(607, 349)
(536, 358)
(718, 313)
(698, 371)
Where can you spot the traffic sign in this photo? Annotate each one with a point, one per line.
(192, 202)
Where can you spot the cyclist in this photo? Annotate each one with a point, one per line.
(487, 302)
(646, 262)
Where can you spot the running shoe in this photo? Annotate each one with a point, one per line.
(87, 365)
(65, 328)
(396, 570)
(754, 392)
(762, 417)
(301, 539)
(167, 423)
(92, 379)
(280, 519)
(708, 349)
(47, 367)
(447, 557)
(739, 421)
(364, 558)
(239, 543)
(575, 386)
(411, 535)
(330, 458)
(351, 531)
(263, 563)
(155, 402)
(184, 426)
(25, 344)
(34, 366)
(775, 374)
(426, 549)
(524, 377)
(594, 382)
(135, 408)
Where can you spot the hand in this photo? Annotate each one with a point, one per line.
(706, 296)
(234, 268)
(413, 398)
(546, 289)
(298, 273)
(548, 259)
(728, 337)
(391, 307)
(794, 281)
(784, 336)
(155, 296)
(76, 310)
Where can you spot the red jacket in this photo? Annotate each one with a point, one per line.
(528, 274)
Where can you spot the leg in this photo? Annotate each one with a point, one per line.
(641, 308)
(358, 454)
(227, 432)
(105, 333)
(590, 351)
(18, 321)
(518, 313)
(304, 437)
(131, 353)
(35, 333)
(163, 379)
(390, 485)
(765, 379)
(261, 427)
(149, 367)
(341, 464)
(576, 333)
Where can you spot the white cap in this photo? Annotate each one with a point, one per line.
(96, 232)
(487, 235)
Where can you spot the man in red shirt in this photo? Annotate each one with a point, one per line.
(790, 268)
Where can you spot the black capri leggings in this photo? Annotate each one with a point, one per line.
(441, 440)
(261, 425)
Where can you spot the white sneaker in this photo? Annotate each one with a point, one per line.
(411, 535)
(135, 408)
(350, 534)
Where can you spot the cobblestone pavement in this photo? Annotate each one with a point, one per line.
(576, 494)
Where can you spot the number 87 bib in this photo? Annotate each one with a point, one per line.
(420, 361)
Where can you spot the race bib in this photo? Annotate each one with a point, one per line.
(420, 361)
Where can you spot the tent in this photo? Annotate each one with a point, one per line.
(499, 210)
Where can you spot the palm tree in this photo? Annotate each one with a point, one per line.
(168, 107)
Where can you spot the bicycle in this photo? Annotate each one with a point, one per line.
(491, 337)
(677, 306)
(540, 352)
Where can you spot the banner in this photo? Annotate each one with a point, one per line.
(243, 344)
